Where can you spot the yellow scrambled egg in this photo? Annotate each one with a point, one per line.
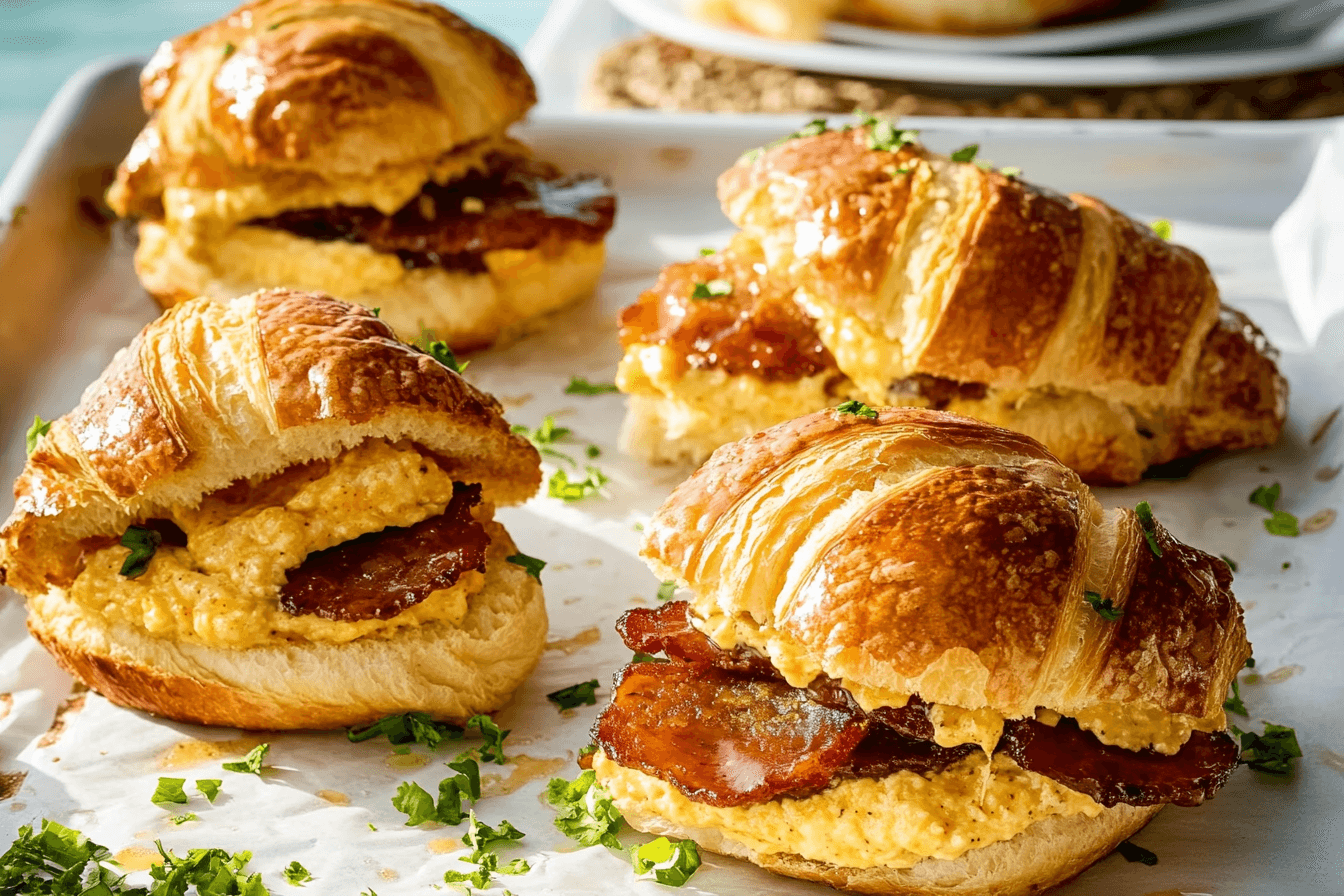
(223, 588)
(891, 822)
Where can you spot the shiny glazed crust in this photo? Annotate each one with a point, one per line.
(925, 553)
(1080, 327)
(285, 93)
(211, 393)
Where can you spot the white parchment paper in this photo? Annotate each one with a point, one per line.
(326, 803)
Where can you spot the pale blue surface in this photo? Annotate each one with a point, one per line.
(44, 42)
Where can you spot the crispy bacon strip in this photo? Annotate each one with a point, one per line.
(1112, 775)
(667, 629)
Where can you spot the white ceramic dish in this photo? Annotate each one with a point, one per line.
(1206, 59)
(1170, 19)
(71, 300)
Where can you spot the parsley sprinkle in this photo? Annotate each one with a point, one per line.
(208, 788)
(493, 748)
(1271, 752)
(440, 352)
(1149, 527)
(170, 791)
(415, 802)
(1233, 703)
(559, 485)
(1266, 496)
(712, 290)
(1231, 564)
(183, 819)
(251, 763)
(707, 252)
(1132, 852)
(59, 860)
(544, 436)
(640, 657)
(531, 564)
(580, 386)
(883, 135)
(296, 874)
(143, 543)
(410, 727)
(229, 49)
(670, 863)
(582, 694)
(39, 428)
(1280, 522)
(593, 451)
(587, 751)
(1105, 609)
(857, 408)
(813, 128)
(586, 812)
(1162, 227)
(966, 153)
(1012, 172)
(377, 312)
(667, 590)
(210, 871)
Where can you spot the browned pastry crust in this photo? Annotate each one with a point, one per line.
(942, 284)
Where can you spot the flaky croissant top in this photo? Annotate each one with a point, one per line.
(925, 553)
(358, 102)
(212, 393)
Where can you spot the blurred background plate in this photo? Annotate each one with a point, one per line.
(1165, 20)
(1307, 37)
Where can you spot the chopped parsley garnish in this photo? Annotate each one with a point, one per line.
(895, 171)
(1271, 752)
(544, 436)
(377, 311)
(1231, 564)
(183, 819)
(493, 748)
(439, 351)
(1012, 172)
(229, 49)
(531, 564)
(416, 803)
(39, 428)
(582, 694)
(588, 750)
(966, 153)
(1149, 527)
(883, 135)
(667, 591)
(706, 252)
(580, 386)
(170, 791)
(143, 543)
(482, 838)
(208, 787)
(1280, 522)
(1132, 852)
(1233, 703)
(1105, 609)
(1162, 227)
(712, 290)
(466, 784)
(296, 874)
(410, 727)
(559, 485)
(251, 763)
(857, 408)
(813, 128)
(213, 872)
(593, 451)
(58, 861)
(669, 862)
(586, 812)
(641, 657)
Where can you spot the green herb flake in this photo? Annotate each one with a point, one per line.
(439, 351)
(1012, 172)
(482, 838)
(667, 591)
(1250, 662)
(640, 657)
(377, 311)
(712, 290)
(1233, 703)
(493, 748)
(582, 694)
(669, 862)
(1231, 564)
(170, 792)
(1271, 752)
(1149, 527)
(1132, 852)
(39, 428)
(580, 386)
(966, 153)
(587, 751)
(229, 49)
(251, 763)
(531, 564)
(183, 819)
(813, 128)
(560, 486)
(406, 728)
(585, 811)
(60, 861)
(1282, 523)
(706, 252)
(213, 872)
(143, 543)
(1266, 496)
(466, 784)
(296, 874)
(593, 451)
(1105, 609)
(544, 436)
(208, 788)
(415, 803)
(1162, 227)
(857, 408)
(883, 136)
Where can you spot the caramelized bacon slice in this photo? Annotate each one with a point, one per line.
(378, 575)
(722, 739)
(667, 629)
(886, 751)
(1111, 775)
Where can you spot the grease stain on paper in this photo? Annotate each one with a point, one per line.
(585, 638)
(187, 753)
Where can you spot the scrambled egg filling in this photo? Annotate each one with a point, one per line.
(891, 822)
(223, 588)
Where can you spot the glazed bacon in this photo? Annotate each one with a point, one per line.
(378, 575)
(724, 728)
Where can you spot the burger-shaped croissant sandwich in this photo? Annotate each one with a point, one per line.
(269, 513)
(917, 657)
(360, 149)
(871, 268)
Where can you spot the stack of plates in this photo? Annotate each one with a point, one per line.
(1174, 41)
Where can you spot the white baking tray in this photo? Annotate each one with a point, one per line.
(70, 300)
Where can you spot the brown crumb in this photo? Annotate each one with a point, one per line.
(649, 72)
(10, 783)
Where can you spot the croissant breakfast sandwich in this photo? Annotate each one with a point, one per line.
(271, 514)
(870, 268)
(917, 657)
(360, 149)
